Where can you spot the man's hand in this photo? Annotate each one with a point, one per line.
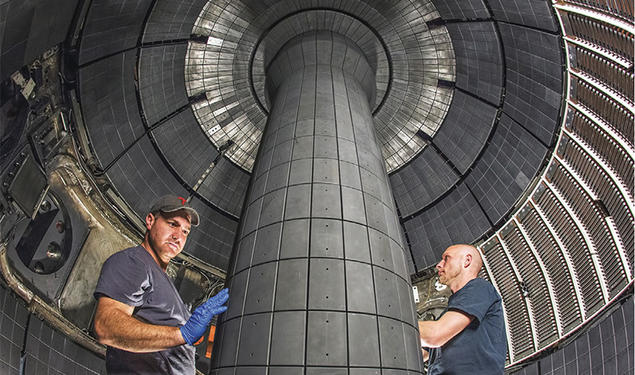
(196, 326)
(425, 354)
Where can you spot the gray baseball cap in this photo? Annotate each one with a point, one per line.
(172, 203)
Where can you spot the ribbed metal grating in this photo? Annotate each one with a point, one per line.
(606, 108)
(615, 202)
(608, 36)
(519, 328)
(619, 8)
(574, 242)
(595, 224)
(605, 70)
(539, 297)
(610, 150)
(558, 270)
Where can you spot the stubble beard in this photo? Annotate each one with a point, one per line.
(156, 247)
(447, 277)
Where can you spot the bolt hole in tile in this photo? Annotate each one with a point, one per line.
(327, 354)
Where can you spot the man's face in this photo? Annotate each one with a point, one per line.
(167, 234)
(450, 266)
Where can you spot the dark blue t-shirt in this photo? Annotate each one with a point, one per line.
(133, 277)
(480, 349)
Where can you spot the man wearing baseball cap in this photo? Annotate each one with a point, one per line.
(140, 316)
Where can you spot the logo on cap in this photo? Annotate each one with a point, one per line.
(183, 200)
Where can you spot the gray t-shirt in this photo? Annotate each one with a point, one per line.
(133, 277)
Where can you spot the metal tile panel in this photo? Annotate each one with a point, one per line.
(465, 130)
(140, 177)
(29, 28)
(170, 20)
(212, 241)
(479, 59)
(538, 13)
(109, 105)
(162, 81)
(507, 166)
(461, 9)
(112, 27)
(48, 351)
(423, 180)
(457, 218)
(534, 79)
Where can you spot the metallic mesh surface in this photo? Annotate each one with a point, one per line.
(408, 58)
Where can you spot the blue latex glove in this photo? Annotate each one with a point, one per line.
(196, 326)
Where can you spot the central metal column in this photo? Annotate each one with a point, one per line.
(318, 279)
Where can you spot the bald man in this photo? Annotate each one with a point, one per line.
(469, 338)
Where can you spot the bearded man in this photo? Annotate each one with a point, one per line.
(470, 336)
(140, 315)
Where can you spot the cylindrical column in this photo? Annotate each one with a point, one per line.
(318, 277)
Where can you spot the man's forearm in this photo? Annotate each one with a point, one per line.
(436, 333)
(119, 330)
(428, 333)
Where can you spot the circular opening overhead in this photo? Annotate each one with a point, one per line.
(335, 21)
(413, 60)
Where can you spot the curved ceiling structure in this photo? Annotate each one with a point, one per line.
(466, 168)
(240, 41)
(506, 124)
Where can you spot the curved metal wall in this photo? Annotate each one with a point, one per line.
(568, 252)
(29, 345)
(499, 131)
(605, 348)
(29, 28)
(570, 247)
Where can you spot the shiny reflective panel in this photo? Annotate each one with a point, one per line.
(235, 42)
